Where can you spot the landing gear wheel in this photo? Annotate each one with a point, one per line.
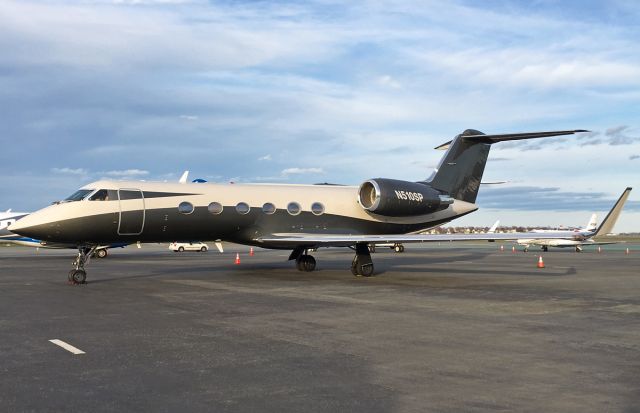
(309, 263)
(203, 249)
(366, 270)
(372, 248)
(362, 264)
(101, 253)
(578, 249)
(70, 277)
(545, 248)
(526, 250)
(398, 248)
(354, 267)
(78, 277)
(306, 263)
(180, 249)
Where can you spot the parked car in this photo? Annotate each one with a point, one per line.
(188, 246)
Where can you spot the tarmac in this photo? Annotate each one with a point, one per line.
(439, 328)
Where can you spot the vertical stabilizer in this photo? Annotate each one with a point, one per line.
(592, 224)
(610, 220)
(460, 170)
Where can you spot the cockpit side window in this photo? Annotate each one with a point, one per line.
(78, 195)
(101, 195)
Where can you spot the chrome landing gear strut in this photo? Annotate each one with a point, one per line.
(78, 275)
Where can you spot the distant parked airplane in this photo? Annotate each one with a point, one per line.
(590, 231)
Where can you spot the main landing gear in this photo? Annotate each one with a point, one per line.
(304, 261)
(78, 275)
(361, 266)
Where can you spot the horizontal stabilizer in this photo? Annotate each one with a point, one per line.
(475, 136)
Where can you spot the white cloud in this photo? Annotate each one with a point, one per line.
(265, 158)
(128, 172)
(69, 171)
(300, 171)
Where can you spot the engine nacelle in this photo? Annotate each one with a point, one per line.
(391, 197)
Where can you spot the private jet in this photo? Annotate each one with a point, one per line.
(299, 218)
(589, 232)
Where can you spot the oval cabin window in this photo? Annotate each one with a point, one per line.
(268, 208)
(215, 208)
(243, 208)
(293, 208)
(317, 208)
(185, 208)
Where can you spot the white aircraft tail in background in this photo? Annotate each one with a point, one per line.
(591, 231)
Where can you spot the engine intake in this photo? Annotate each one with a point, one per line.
(391, 197)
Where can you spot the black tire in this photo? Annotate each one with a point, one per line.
(354, 267)
(102, 253)
(366, 270)
(70, 276)
(372, 248)
(203, 249)
(401, 248)
(180, 249)
(79, 277)
(300, 263)
(309, 263)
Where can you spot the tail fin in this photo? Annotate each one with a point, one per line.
(493, 228)
(592, 224)
(460, 170)
(610, 220)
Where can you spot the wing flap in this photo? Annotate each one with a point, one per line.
(338, 240)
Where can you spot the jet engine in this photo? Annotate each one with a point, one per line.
(391, 197)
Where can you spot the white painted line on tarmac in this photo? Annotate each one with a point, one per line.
(67, 346)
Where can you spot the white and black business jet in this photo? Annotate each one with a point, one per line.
(590, 232)
(295, 217)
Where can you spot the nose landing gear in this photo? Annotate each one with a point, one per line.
(78, 275)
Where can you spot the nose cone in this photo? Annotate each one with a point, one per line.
(33, 225)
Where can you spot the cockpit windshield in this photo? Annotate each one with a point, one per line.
(101, 195)
(78, 195)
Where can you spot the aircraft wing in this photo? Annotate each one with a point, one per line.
(337, 240)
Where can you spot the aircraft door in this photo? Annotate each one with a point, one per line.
(132, 214)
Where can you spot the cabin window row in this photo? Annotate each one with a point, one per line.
(242, 208)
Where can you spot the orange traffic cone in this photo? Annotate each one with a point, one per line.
(599, 249)
(513, 249)
(540, 262)
(237, 258)
(251, 252)
(501, 248)
(627, 251)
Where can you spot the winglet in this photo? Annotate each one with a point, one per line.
(610, 220)
(493, 228)
(184, 177)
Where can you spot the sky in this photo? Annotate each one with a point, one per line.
(324, 91)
